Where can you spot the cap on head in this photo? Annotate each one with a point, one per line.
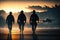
(34, 11)
(22, 11)
(10, 13)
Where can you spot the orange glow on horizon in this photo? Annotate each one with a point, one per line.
(16, 30)
(15, 10)
(18, 6)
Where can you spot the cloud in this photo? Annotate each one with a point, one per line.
(2, 12)
(32, 0)
(38, 7)
(55, 8)
(35, 7)
(52, 13)
(2, 20)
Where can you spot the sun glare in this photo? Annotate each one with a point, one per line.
(16, 10)
(15, 7)
(15, 31)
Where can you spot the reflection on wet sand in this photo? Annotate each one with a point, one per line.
(34, 36)
(9, 37)
(21, 36)
(49, 34)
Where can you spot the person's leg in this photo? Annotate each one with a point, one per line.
(23, 27)
(9, 27)
(20, 27)
(35, 26)
(33, 29)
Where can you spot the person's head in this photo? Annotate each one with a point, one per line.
(34, 11)
(22, 12)
(10, 13)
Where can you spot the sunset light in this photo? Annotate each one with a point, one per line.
(16, 6)
(29, 19)
(13, 10)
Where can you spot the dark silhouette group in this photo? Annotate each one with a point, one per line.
(22, 20)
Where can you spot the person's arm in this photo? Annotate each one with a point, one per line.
(25, 19)
(37, 18)
(13, 19)
(30, 19)
(18, 20)
(7, 19)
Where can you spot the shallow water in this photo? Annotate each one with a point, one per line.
(42, 34)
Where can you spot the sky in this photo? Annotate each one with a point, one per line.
(29, 5)
(18, 5)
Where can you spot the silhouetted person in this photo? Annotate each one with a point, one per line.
(21, 21)
(33, 21)
(10, 21)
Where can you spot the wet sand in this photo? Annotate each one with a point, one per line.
(44, 34)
